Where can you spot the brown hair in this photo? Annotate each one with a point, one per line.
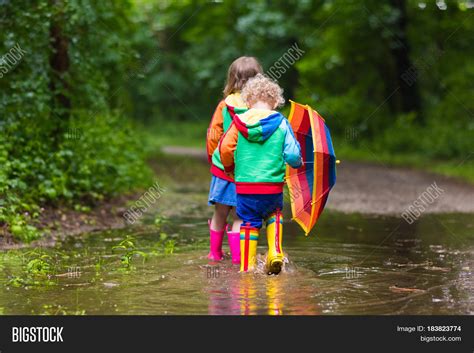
(239, 72)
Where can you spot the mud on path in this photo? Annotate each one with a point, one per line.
(378, 189)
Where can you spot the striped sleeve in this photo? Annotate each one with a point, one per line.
(215, 130)
(227, 148)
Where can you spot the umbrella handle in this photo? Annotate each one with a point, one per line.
(337, 162)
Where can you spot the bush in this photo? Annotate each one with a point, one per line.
(94, 158)
(70, 58)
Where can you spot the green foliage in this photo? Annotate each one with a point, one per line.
(82, 67)
(106, 159)
(38, 268)
(170, 247)
(349, 71)
(73, 153)
(129, 251)
(164, 246)
(160, 221)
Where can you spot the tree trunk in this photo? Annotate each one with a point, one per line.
(407, 97)
(59, 64)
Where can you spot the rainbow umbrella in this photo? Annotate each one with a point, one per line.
(310, 185)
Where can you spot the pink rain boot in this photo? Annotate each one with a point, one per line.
(216, 238)
(234, 245)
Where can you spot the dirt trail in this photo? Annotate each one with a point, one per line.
(378, 189)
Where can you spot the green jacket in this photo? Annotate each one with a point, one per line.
(256, 148)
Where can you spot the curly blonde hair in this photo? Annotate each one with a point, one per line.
(264, 89)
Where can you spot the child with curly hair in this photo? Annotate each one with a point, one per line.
(255, 149)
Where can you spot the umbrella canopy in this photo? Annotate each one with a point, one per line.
(310, 185)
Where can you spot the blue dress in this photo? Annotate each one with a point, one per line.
(222, 191)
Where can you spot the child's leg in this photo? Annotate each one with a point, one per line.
(274, 239)
(236, 220)
(216, 231)
(274, 222)
(219, 218)
(248, 247)
(234, 237)
(247, 210)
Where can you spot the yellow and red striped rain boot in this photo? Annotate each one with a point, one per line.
(248, 248)
(274, 238)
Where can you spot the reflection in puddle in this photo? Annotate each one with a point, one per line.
(259, 294)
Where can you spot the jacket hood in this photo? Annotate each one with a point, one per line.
(235, 100)
(257, 125)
